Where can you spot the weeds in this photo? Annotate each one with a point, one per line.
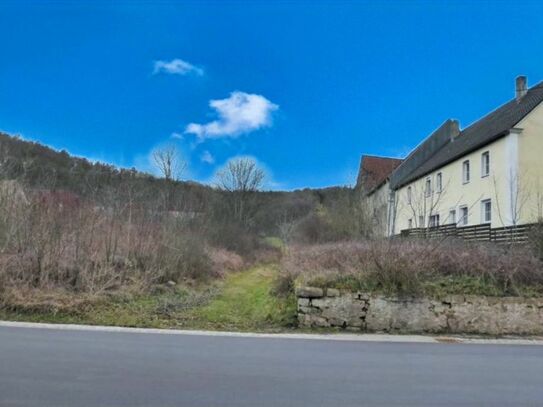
(58, 252)
(416, 266)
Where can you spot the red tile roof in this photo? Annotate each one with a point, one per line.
(375, 170)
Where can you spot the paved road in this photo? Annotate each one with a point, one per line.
(49, 367)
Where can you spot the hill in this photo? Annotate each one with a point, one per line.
(39, 167)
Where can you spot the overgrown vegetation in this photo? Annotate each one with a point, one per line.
(242, 301)
(416, 267)
(90, 243)
(74, 232)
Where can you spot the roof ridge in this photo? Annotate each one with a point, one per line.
(482, 131)
(382, 156)
(534, 87)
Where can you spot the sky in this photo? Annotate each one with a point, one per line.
(303, 87)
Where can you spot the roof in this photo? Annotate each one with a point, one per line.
(375, 170)
(484, 131)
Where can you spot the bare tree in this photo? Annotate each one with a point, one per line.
(241, 178)
(423, 202)
(169, 162)
(241, 175)
(516, 195)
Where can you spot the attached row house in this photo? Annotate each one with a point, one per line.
(490, 172)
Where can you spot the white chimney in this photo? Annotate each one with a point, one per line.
(521, 87)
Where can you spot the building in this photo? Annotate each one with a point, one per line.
(490, 172)
(374, 184)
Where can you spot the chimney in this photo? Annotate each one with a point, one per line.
(521, 87)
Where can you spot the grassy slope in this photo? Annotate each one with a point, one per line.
(244, 301)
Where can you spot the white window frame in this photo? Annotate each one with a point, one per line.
(409, 195)
(485, 164)
(434, 220)
(428, 187)
(466, 169)
(421, 221)
(484, 202)
(439, 182)
(463, 220)
(452, 214)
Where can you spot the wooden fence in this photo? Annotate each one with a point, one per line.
(482, 233)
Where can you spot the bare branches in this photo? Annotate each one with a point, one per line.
(241, 179)
(169, 162)
(241, 175)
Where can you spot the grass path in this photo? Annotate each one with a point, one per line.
(244, 301)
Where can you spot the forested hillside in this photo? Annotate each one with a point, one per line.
(72, 230)
(38, 167)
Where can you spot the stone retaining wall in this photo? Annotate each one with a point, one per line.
(452, 314)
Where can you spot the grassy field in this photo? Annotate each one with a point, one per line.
(242, 302)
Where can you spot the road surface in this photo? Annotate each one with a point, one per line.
(50, 367)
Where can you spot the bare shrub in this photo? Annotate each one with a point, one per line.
(314, 228)
(535, 239)
(223, 260)
(340, 220)
(406, 266)
(56, 250)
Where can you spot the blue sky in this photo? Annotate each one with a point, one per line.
(304, 87)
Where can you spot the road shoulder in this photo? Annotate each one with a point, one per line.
(353, 337)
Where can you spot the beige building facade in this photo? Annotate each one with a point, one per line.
(488, 173)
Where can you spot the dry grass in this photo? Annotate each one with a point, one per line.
(415, 266)
(57, 256)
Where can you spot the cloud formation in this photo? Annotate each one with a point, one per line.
(238, 114)
(207, 157)
(176, 67)
(176, 135)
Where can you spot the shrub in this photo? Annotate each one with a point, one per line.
(223, 260)
(535, 239)
(82, 250)
(413, 266)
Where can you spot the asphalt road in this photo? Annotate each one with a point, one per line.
(49, 367)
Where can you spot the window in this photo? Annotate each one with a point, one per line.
(410, 224)
(486, 211)
(452, 216)
(409, 195)
(428, 187)
(439, 182)
(465, 172)
(485, 164)
(463, 216)
(421, 221)
(434, 220)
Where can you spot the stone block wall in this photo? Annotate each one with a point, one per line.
(453, 314)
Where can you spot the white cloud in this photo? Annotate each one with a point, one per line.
(207, 157)
(176, 67)
(240, 113)
(177, 136)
